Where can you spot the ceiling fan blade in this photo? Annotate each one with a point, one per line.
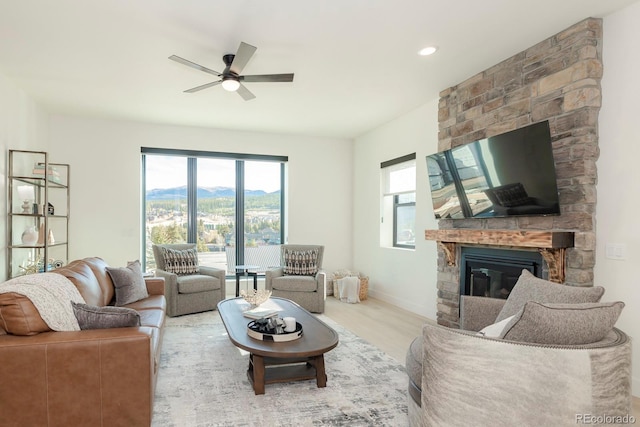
(245, 93)
(208, 85)
(268, 78)
(194, 65)
(244, 54)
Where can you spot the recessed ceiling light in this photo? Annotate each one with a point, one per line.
(428, 51)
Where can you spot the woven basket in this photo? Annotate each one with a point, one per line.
(364, 287)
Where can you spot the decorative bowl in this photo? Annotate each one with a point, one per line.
(255, 297)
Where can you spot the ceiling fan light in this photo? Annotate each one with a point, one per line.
(230, 85)
(428, 51)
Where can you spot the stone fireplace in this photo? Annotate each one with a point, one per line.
(558, 80)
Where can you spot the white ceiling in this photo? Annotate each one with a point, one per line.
(355, 61)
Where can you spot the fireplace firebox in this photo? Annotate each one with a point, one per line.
(493, 273)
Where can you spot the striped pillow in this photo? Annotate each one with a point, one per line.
(180, 262)
(301, 263)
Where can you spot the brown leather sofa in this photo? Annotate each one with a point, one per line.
(98, 377)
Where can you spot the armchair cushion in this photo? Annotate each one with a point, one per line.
(92, 317)
(197, 283)
(563, 324)
(531, 288)
(180, 262)
(301, 262)
(129, 283)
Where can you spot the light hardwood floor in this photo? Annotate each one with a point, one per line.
(389, 328)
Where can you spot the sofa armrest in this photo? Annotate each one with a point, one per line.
(92, 377)
(271, 274)
(478, 312)
(472, 380)
(155, 285)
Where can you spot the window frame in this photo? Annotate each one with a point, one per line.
(395, 203)
(192, 172)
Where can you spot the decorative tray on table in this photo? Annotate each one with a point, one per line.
(271, 330)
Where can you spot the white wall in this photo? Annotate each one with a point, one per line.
(106, 187)
(23, 126)
(618, 206)
(406, 278)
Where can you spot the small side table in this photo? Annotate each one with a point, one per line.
(245, 270)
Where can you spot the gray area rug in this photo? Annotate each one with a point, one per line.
(203, 382)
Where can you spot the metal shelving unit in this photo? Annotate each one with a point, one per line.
(38, 213)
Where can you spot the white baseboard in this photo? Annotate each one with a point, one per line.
(398, 302)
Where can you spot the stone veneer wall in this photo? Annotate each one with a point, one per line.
(556, 80)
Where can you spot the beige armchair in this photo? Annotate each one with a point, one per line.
(189, 293)
(299, 279)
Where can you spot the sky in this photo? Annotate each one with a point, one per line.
(168, 172)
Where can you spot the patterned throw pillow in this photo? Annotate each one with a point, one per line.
(301, 263)
(180, 262)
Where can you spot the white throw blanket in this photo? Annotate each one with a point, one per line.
(349, 289)
(51, 294)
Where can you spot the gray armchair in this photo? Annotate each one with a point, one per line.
(459, 378)
(294, 279)
(191, 293)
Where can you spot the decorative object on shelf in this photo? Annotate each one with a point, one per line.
(53, 175)
(26, 193)
(32, 266)
(50, 209)
(256, 297)
(50, 239)
(30, 236)
(57, 263)
(41, 235)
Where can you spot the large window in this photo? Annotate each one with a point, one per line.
(398, 182)
(230, 205)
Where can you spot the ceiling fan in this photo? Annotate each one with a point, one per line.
(230, 78)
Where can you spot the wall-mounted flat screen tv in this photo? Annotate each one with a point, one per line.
(500, 176)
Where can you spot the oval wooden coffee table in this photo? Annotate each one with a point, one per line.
(273, 362)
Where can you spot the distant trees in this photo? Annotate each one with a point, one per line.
(164, 234)
(263, 219)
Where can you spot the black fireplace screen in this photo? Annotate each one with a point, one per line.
(493, 273)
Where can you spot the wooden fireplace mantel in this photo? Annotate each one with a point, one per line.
(552, 245)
